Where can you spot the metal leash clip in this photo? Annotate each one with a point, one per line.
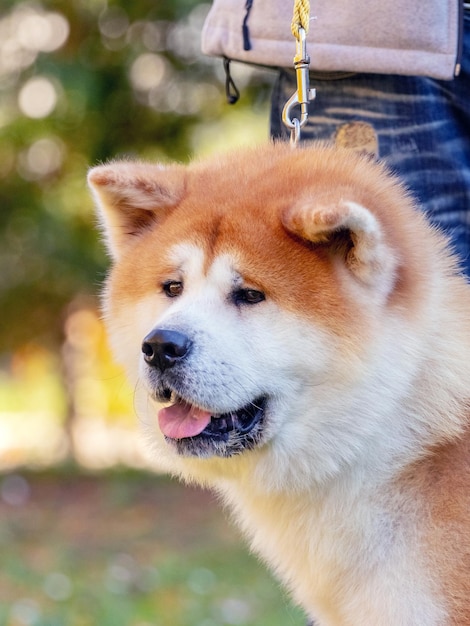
(304, 94)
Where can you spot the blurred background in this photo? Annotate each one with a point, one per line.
(90, 533)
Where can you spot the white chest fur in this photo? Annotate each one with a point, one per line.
(347, 557)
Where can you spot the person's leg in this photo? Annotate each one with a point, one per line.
(423, 129)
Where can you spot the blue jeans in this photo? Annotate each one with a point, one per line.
(423, 128)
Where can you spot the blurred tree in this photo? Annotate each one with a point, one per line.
(82, 81)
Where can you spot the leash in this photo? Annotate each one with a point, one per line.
(301, 17)
(303, 94)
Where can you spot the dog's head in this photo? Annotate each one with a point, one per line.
(259, 297)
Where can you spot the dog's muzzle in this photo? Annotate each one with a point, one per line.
(224, 434)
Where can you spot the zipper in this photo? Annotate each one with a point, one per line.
(245, 30)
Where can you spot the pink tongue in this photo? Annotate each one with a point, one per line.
(182, 420)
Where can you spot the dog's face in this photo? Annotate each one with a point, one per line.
(224, 353)
(250, 296)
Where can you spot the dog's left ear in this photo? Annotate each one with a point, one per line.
(352, 233)
(132, 197)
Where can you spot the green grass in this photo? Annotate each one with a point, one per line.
(126, 549)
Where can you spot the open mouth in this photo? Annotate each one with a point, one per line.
(242, 421)
(198, 432)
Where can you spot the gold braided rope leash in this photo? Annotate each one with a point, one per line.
(303, 94)
(301, 17)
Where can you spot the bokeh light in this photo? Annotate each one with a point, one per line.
(113, 22)
(38, 97)
(43, 158)
(26, 31)
(43, 32)
(147, 71)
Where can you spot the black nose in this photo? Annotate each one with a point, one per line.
(163, 348)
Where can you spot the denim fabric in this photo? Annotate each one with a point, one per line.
(423, 128)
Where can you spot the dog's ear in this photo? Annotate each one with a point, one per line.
(352, 233)
(131, 197)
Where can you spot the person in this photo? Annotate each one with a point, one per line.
(402, 67)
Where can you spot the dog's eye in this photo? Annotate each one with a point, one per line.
(172, 288)
(248, 296)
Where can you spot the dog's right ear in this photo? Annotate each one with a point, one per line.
(131, 197)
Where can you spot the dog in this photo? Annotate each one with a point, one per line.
(299, 340)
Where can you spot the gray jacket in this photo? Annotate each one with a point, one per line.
(411, 37)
